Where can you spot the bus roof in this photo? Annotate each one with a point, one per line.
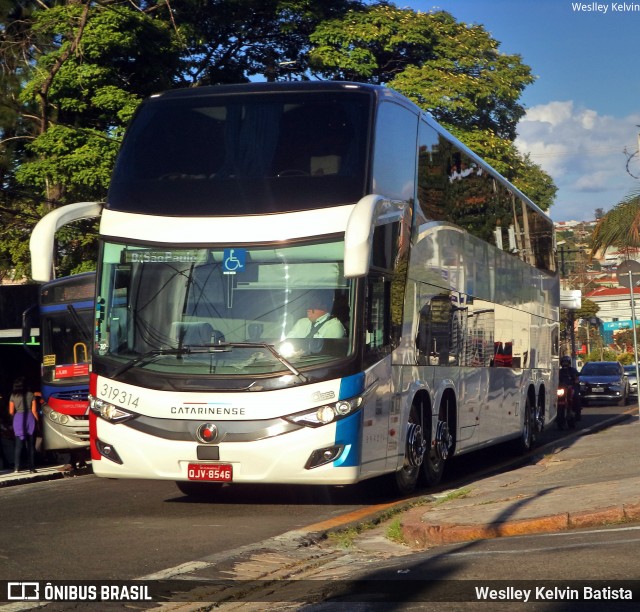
(275, 87)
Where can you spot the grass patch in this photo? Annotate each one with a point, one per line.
(394, 532)
(345, 537)
(457, 494)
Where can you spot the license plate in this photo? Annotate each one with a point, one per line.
(209, 472)
(597, 390)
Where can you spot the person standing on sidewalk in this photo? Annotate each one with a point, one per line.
(23, 409)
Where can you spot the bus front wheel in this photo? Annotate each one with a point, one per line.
(406, 479)
(441, 449)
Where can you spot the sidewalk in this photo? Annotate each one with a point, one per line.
(9, 478)
(580, 481)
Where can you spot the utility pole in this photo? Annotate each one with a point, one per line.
(563, 252)
(570, 313)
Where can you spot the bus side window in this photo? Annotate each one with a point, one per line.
(378, 324)
(438, 330)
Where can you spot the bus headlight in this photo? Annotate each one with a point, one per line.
(323, 415)
(109, 412)
(56, 417)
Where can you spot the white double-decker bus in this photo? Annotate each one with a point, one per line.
(312, 283)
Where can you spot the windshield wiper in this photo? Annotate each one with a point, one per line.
(85, 332)
(264, 345)
(220, 347)
(149, 356)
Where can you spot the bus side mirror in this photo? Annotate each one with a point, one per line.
(359, 234)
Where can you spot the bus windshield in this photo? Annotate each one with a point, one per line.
(233, 155)
(224, 311)
(66, 337)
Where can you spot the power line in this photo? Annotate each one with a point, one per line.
(578, 153)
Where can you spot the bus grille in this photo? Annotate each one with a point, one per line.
(72, 396)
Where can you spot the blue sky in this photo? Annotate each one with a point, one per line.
(583, 111)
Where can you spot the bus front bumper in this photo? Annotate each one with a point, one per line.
(323, 455)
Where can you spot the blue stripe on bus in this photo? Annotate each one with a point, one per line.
(348, 429)
(348, 434)
(351, 386)
(60, 307)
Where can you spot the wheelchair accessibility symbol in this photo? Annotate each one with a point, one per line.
(233, 260)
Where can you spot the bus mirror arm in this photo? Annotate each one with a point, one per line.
(42, 238)
(366, 214)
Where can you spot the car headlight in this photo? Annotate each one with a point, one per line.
(323, 415)
(109, 412)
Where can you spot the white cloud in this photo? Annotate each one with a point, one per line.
(584, 154)
(553, 113)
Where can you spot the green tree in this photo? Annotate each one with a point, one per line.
(19, 208)
(82, 69)
(620, 227)
(93, 73)
(588, 310)
(231, 41)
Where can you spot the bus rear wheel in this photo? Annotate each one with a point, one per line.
(527, 438)
(432, 468)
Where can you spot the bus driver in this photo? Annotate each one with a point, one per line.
(319, 323)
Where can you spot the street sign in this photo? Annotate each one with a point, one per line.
(622, 273)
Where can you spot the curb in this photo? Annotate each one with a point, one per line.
(421, 534)
(10, 479)
(19, 479)
(424, 535)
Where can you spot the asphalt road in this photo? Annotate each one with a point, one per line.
(553, 568)
(91, 528)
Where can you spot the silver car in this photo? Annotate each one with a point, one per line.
(631, 374)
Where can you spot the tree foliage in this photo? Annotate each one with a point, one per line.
(588, 310)
(72, 73)
(225, 41)
(451, 69)
(620, 227)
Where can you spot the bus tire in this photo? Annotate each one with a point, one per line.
(198, 489)
(432, 469)
(405, 480)
(527, 436)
